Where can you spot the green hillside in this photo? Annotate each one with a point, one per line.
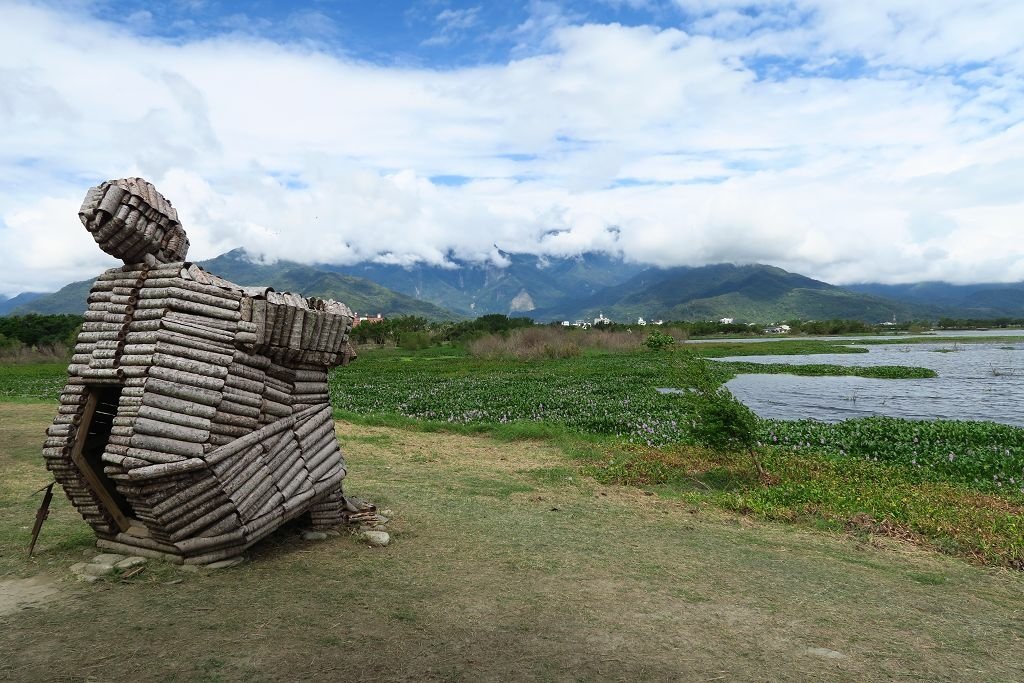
(360, 295)
(751, 293)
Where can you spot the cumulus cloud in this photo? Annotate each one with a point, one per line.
(665, 144)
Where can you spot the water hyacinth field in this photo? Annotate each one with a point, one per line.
(985, 455)
(617, 395)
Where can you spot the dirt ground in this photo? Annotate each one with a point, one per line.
(505, 564)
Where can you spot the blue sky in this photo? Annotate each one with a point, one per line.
(877, 140)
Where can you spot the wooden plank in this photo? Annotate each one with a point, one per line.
(85, 468)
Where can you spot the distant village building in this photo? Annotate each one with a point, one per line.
(601, 320)
(366, 319)
(726, 321)
(641, 322)
(566, 323)
(658, 322)
(777, 329)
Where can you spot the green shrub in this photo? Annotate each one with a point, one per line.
(659, 340)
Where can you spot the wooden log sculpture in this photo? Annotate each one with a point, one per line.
(196, 418)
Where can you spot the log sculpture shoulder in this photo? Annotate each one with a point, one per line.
(196, 418)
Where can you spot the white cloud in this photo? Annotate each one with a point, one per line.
(904, 171)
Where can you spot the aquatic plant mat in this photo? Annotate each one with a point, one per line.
(506, 563)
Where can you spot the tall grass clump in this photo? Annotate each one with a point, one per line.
(525, 344)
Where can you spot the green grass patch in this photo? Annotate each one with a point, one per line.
(32, 381)
(815, 490)
(781, 347)
(815, 370)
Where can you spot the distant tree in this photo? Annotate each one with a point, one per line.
(721, 422)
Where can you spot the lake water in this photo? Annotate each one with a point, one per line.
(977, 381)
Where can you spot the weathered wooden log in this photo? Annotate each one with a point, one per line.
(188, 365)
(260, 527)
(163, 470)
(296, 485)
(234, 408)
(245, 310)
(256, 361)
(187, 403)
(134, 548)
(139, 349)
(305, 426)
(199, 518)
(259, 318)
(232, 430)
(126, 462)
(88, 336)
(259, 507)
(275, 442)
(192, 492)
(140, 360)
(192, 379)
(247, 398)
(193, 421)
(149, 313)
(249, 440)
(220, 360)
(287, 325)
(145, 325)
(217, 555)
(99, 327)
(273, 410)
(295, 502)
(206, 544)
(205, 310)
(153, 457)
(170, 430)
(219, 348)
(100, 376)
(329, 470)
(213, 298)
(194, 286)
(193, 330)
(272, 502)
(282, 467)
(244, 423)
(167, 445)
(324, 431)
(251, 497)
(245, 377)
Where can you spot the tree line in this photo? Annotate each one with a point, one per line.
(34, 330)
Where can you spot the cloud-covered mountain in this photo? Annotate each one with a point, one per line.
(849, 141)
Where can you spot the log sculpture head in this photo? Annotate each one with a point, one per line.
(131, 221)
(196, 417)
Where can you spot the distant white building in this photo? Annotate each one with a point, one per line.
(601, 320)
(566, 323)
(657, 322)
(777, 329)
(641, 322)
(726, 321)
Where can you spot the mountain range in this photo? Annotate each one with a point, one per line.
(581, 287)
